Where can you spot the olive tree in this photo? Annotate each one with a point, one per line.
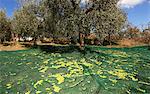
(5, 27)
(68, 18)
(106, 17)
(25, 21)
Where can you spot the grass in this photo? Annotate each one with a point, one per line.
(98, 71)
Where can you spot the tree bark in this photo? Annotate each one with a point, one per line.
(109, 39)
(81, 40)
(35, 40)
(13, 38)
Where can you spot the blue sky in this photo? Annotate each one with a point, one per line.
(9, 5)
(138, 10)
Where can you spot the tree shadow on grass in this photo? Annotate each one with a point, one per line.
(65, 49)
(56, 49)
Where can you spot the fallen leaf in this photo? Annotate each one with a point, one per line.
(103, 76)
(133, 78)
(38, 83)
(56, 88)
(59, 78)
(44, 69)
(46, 61)
(38, 92)
(8, 86)
(28, 92)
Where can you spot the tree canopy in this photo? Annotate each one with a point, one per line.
(68, 18)
(5, 26)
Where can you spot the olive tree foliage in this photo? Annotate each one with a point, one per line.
(5, 26)
(64, 17)
(106, 17)
(25, 21)
(67, 18)
(59, 16)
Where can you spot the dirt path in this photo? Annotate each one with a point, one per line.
(12, 48)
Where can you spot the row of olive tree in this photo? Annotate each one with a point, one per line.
(68, 18)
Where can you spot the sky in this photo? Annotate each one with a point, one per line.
(9, 6)
(138, 11)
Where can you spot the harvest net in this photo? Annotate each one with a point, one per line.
(102, 71)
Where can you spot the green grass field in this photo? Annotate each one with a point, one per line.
(100, 71)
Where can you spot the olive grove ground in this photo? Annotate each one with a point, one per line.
(98, 71)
